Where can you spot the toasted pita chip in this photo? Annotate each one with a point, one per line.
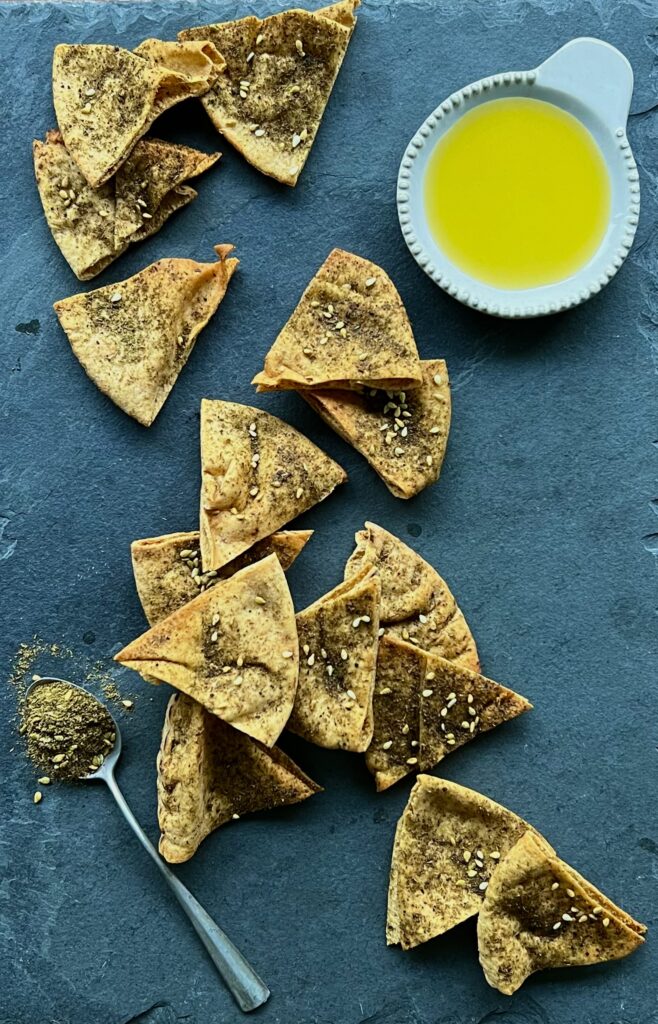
(409, 457)
(539, 913)
(133, 338)
(338, 639)
(417, 605)
(425, 707)
(233, 649)
(106, 98)
(258, 473)
(279, 74)
(448, 845)
(93, 226)
(209, 773)
(349, 330)
(167, 569)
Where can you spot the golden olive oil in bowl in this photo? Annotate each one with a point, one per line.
(519, 194)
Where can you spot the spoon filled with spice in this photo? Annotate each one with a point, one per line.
(72, 736)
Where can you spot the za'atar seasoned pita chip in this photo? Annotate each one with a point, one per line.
(350, 329)
(258, 473)
(448, 845)
(538, 913)
(417, 605)
(233, 649)
(425, 707)
(279, 74)
(209, 773)
(338, 639)
(403, 435)
(168, 574)
(133, 338)
(106, 97)
(93, 226)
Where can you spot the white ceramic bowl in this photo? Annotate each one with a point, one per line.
(590, 80)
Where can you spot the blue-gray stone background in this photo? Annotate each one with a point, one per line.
(542, 522)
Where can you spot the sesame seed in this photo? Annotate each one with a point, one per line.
(259, 133)
(299, 47)
(250, 57)
(351, 694)
(295, 140)
(87, 108)
(471, 873)
(311, 661)
(306, 649)
(253, 491)
(429, 460)
(259, 600)
(370, 281)
(215, 619)
(128, 704)
(405, 729)
(299, 492)
(330, 670)
(471, 710)
(226, 668)
(451, 703)
(495, 855)
(471, 727)
(467, 855)
(259, 39)
(555, 885)
(399, 451)
(116, 297)
(238, 680)
(365, 618)
(235, 817)
(444, 712)
(558, 924)
(380, 631)
(286, 654)
(430, 675)
(44, 780)
(437, 378)
(450, 740)
(465, 725)
(582, 918)
(90, 92)
(597, 909)
(605, 922)
(385, 690)
(63, 193)
(387, 745)
(323, 653)
(435, 430)
(240, 661)
(414, 743)
(356, 623)
(452, 695)
(567, 917)
(412, 760)
(482, 886)
(243, 94)
(343, 654)
(422, 618)
(427, 693)
(37, 798)
(214, 635)
(570, 893)
(469, 699)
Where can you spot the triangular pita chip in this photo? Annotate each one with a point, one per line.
(448, 845)
(279, 74)
(133, 338)
(350, 329)
(168, 574)
(417, 605)
(425, 707)
(538, 913)
(258, 473)
(106, 97)
(338, 638)
(403, 435)
(233, 649)
(93, 226)
(209, 773)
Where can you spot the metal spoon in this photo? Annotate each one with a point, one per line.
(245, 985)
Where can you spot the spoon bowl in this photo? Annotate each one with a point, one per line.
(247, 988)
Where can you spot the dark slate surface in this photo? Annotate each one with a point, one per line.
(541, 521)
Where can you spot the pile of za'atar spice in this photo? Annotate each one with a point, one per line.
(68, 732)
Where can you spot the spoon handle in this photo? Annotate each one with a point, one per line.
(247, 988)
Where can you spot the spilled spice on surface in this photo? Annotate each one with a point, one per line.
(68, 732)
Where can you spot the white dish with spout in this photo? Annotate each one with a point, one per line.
(592, 81)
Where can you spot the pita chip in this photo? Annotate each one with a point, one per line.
(417, 605)
(539, 913)
(106, 97)
(279, 74)
(407, 457)
(338, 639)
(209, 773)
(349, 330)
(167, 568)
(133, 338)
(233, 649)
(448, 845)
(425, 707)
(93, 226)
(258, 473)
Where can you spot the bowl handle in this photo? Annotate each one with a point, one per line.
(595, 73)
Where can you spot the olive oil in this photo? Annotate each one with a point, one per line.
(517, 193)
